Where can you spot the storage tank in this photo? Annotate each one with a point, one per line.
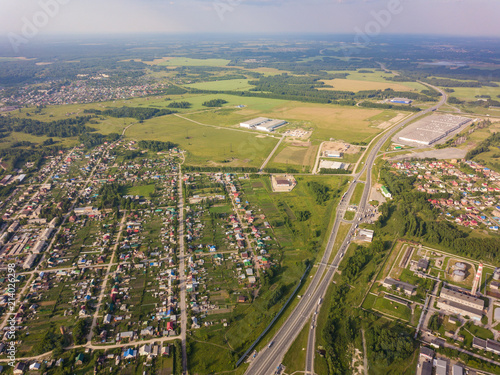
(460, 266)
(496, 274)
(458, 275)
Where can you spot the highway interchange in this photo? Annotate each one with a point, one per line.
(268, 360)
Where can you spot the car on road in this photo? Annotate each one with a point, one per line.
(270, 344)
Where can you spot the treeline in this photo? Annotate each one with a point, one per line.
(444, 82)
(195, 168)
(66, 128)
(389, 106)
(485, 102)
(333, 171)
(175, 90)
(279, 170)
(484, 146)
(91, 140)
(138, 113)
(182, 104)
(214, 103)
(157, 146)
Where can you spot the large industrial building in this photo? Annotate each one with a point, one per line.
(328, 164)
(462, 304)
(401, 101)
(431, 129)
(263, 123)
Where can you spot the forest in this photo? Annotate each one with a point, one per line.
(138, 113)
(66, 128)
(157, 146)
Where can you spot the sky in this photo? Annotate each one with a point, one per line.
(30, 18)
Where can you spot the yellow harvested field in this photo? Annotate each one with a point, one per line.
(297, 155)
(327, 121)
(355, 86)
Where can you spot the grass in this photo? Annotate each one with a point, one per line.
(295, 358)
(470, 93)
(341, 235)
(349, 215)
(228, 84)
(206, 145)
(303, 156)
(141, 190)
(360, 85)
(207, 355)
(480, 332)
(357, 194)
(393, 309)
(378, 77)
(351, 124)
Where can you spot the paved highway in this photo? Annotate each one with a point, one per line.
(270, 358)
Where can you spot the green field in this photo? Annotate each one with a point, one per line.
(351, 124)
(141, 190)
(229, 84)
(376, 77)
(295, 358)
(301, 156)
(470, 93)
(393, 309)
(349, 215)
(357, 194)
(206, 145)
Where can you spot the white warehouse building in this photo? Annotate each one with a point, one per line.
(263, 123)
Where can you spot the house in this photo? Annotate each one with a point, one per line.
(35, 366)
(129, 353)
(165, 350)
(148, 331)
(107, 319)
(242, 299)
(145, 350)
(170, 326)
(80, 358)
(20, 368)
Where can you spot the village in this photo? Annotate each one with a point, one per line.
(95, 240)
(472, 187)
